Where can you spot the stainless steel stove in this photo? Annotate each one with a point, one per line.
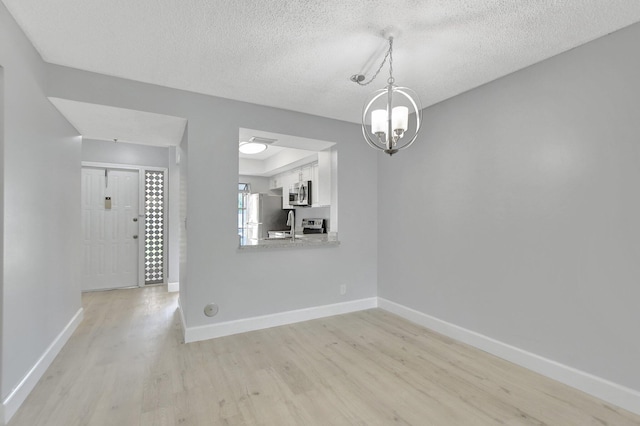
(313, 226)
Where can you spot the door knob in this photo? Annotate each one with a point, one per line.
(135, 237)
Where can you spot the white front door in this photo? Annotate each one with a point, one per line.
(110, 231)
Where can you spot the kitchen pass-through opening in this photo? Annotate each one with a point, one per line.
(287, 189)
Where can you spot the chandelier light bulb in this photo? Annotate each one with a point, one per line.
(378, 121)
(400, 118)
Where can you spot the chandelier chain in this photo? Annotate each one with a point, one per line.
(387, 55)
(390, 80)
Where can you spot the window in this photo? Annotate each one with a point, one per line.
(154, 227)
(243, 190)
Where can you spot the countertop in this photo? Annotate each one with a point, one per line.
(301, 240)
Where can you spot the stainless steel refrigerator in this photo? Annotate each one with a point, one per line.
(264, 214)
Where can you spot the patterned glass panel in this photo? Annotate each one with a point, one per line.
(154, 227)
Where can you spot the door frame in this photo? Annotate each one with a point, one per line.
(141, 212)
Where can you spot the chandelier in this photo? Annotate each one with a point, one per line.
(389, 111)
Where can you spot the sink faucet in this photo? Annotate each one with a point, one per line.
(291, 220)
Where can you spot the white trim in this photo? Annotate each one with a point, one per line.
(165, 226)
(183, 321)
(211, 331)
(173, 287)
(17, 396)
(616, 394)
(138, 167)
(141, 224)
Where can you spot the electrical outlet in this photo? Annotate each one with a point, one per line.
(343, 289)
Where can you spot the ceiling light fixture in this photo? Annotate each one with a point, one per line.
(251, 147)
(390, 110)
(255, 145)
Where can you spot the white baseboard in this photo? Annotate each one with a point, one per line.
(211, 331)
(173, 287)
(26, 385)
(616, 394)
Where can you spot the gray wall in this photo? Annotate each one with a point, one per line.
(216, 270)
(124, 153)
(183, 153)
(516, 213)
(41, 283)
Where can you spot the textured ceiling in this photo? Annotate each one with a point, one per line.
(298, 55)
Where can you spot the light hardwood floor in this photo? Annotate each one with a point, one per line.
(126, 365)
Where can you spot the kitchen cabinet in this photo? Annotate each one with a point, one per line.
(321, 190)
(305, 173)
(290, 178)
(299, 174)
(287, 179)
(319, 173)
(275, 182)
(315, 185)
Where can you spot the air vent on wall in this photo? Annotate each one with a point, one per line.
(258, 139)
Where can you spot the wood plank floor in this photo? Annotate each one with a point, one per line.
(126, 365)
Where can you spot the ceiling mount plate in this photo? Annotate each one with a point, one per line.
(390, 31)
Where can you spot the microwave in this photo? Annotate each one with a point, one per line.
(300, 194)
